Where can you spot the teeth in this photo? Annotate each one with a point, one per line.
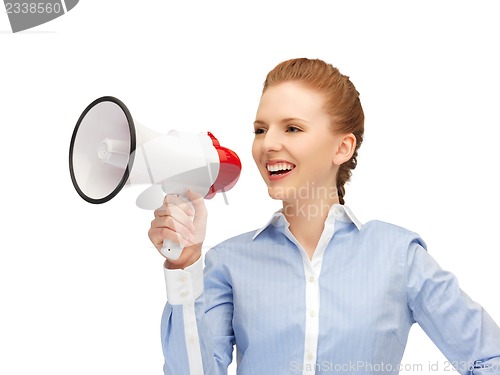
(280, 167)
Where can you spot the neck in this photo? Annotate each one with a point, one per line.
(307, 220)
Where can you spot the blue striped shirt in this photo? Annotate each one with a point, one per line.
(347, 310)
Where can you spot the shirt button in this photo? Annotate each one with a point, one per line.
(192, 339)
(184, 293)
(310, 356)
(311, 279)
(182, 279)
(312, 313)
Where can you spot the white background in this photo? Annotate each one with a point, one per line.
(81, 287)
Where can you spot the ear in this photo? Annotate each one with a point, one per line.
(345, 148)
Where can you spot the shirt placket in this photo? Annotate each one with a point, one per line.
(312, 269)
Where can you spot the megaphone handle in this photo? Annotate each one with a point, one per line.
(172, 250)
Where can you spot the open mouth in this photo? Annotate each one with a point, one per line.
(279, 169)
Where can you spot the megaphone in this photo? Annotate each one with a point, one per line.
(108, 151)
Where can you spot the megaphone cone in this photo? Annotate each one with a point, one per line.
(104, 132)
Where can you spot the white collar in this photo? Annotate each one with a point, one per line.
(337, 212)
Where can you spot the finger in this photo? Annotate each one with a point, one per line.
(169, 210)
(169, 196)
(180, 216)
(156, 237)
(175, 211)
(174, 200)
(168, 222)
(198, 202)
(175, 207)
(162, 211)
(174, 237)
(165, 215)
(159, 235)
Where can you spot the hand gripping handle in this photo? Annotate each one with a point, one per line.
(171, 249)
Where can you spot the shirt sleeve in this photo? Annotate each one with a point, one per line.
(463, 331)
(196, 327)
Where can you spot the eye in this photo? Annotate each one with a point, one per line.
(259, 131)
(293, 129)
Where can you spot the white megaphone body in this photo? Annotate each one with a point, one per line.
(109, 150)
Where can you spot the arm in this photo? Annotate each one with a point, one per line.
(459, 327)
(196, 329)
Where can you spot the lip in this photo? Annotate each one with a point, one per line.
(276, 177)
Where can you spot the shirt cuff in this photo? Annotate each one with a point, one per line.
(184, 286)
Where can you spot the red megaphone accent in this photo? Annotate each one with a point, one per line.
(229, 172)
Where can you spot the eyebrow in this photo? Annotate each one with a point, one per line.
(285, 120)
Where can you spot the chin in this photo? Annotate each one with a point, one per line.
(276, 197)
(277, 192)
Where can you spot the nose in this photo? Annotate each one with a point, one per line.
(272, 141)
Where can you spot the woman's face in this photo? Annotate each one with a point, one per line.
(295, 148)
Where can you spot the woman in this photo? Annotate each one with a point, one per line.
(313, 291)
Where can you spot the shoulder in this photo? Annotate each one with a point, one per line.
(378, 225)
(239, 242)
(373, 230)
(382, 231)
